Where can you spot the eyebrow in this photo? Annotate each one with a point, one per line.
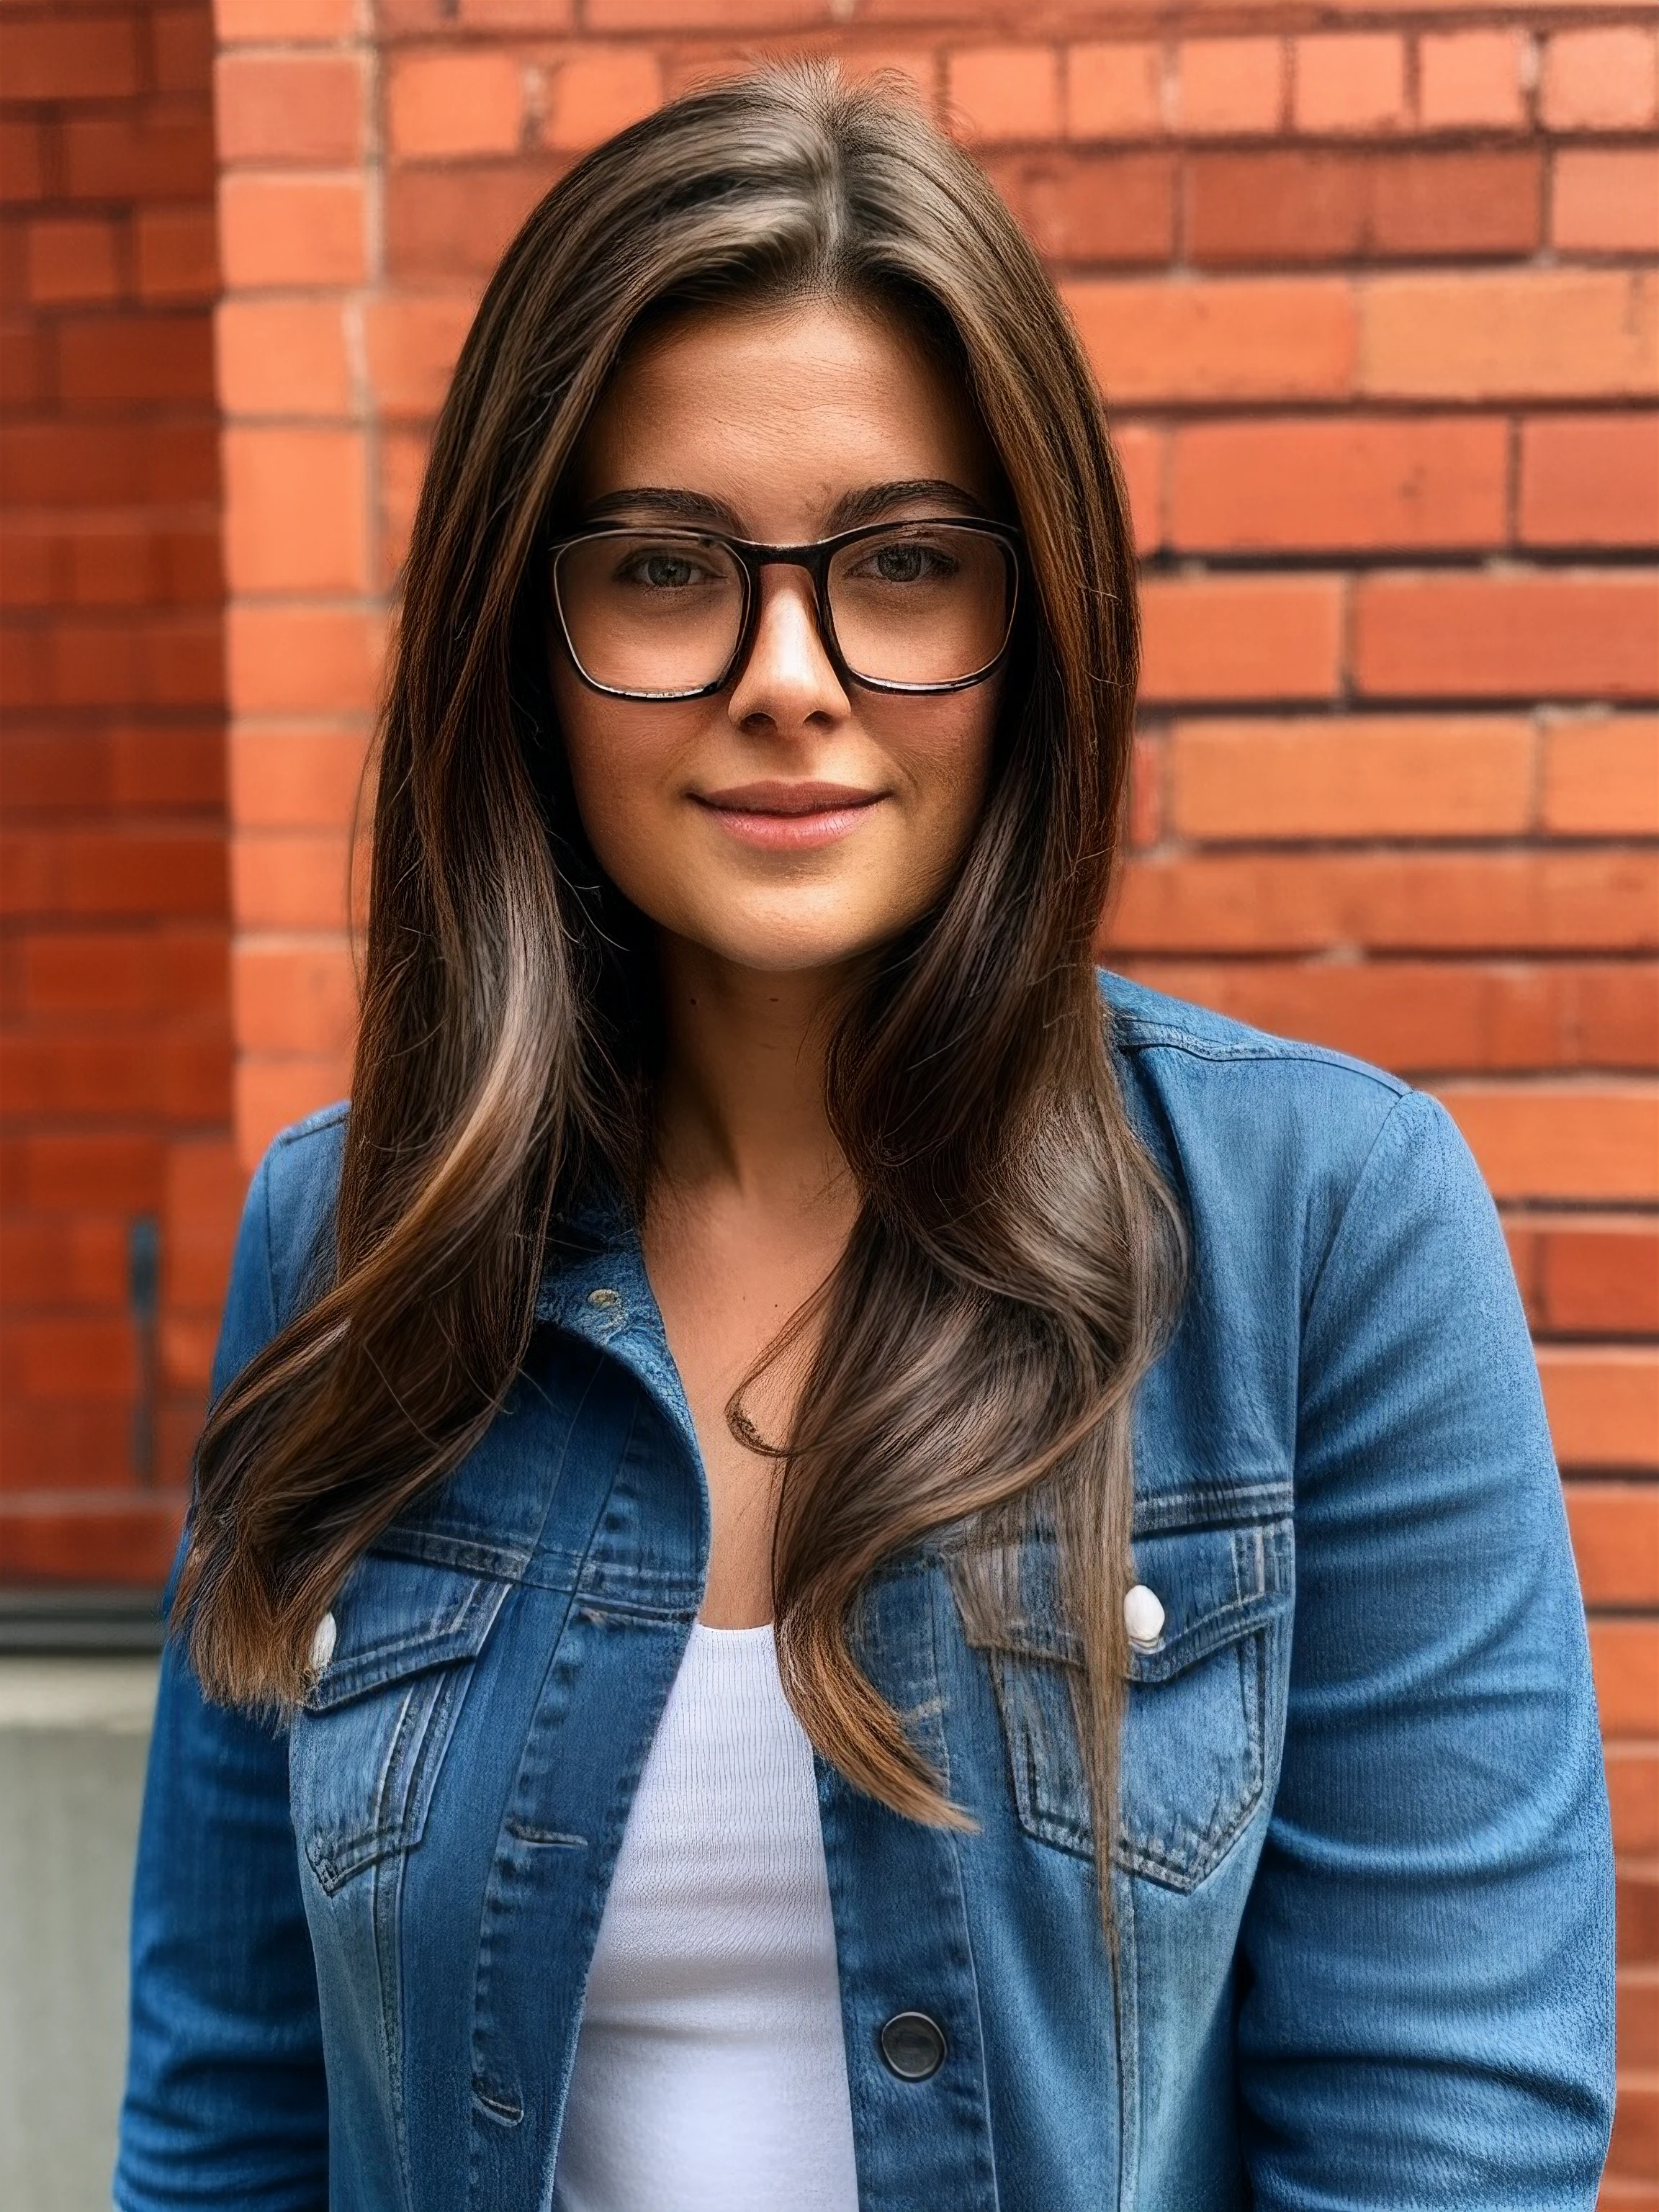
(852, 509)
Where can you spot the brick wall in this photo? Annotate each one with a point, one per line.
(1375, 297)
(113, 940)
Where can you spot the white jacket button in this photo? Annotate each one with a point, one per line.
(322, 1643)
(1143, 1617)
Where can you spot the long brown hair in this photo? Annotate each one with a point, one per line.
(1015, 1259)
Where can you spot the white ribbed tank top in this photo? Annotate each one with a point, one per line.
(710, 2072)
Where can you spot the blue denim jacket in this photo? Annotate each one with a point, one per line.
(1362, 1871)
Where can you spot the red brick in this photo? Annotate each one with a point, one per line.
(1115, 89)
(288, 660)
(128, 767)
(120, 872)
(1559, 635)
(1615, 1538)
(144, 154)
(1241, 637)
(283, 357)
(282, 21)
(1294, 204)
(270, 1093)
(1317, 486)
(99, 1538)
(403, 464)
(1003, 93)
(76, 1171)
(63, 1259)
(296, 510)
(272, 109)
(294, 997)
(1601, 777)
(1633, 1789)
(73, 257)
(1606, 200)
(1420, 1017)
(1229, 88)
(1558, 334)
(296, 778)
(1141, 452)
(1348, 81)
(22, 161)
(104, 358)
(1592, 1275)
(155, 659)
(723, 15)
(1598, 1144)
(177, 253)
(108, 1074)
(1590, 480)
(1496, 902)
(413, 340)
(593, 91)
(135, 973)
(447, 222)
(26, 366)
(182, 48)
(284, 231)
(1243, 339)
(1091, 207)
(443, 105)
(93, 463)
(1601, 80)
(288, 880)
(1348, 777)
(1625, 1655)
(73, 58)
(1603, 1404)
(1471, 80)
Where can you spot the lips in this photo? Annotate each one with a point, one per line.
(789, 816)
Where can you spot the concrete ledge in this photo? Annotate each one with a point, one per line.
(115, 1696)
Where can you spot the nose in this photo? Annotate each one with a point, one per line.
(787, 682)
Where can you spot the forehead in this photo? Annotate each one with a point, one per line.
(780, 411)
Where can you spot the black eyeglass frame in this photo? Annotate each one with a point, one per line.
(815, 559)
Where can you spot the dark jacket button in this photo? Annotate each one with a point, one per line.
(912, 2045)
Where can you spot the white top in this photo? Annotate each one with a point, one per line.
(710, 2072)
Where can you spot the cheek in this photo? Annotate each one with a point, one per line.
(619, 755)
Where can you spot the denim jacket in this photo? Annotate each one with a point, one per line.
(1362, 1871)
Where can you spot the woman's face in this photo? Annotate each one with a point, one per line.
(791, 821)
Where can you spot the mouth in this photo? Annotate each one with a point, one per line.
(789, 816)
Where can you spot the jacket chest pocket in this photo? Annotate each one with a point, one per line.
(1194, 1759)
(365, 1748)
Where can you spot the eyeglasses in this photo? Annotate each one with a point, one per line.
(670, 614)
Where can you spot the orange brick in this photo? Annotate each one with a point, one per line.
(1241, 637)
(1603, 1404)
(282, 23)
(288, 879)
(1633, 1789)
(277, 230)
(1003, 92)
(440, 105)
(282, 357)
(1601, 777)
(1598, 1143)
(403, 466)
(1115, 89)
(1590, 480)
(296, 660)
(1625, 1655)
(1591, 1274)
(1601, 80)
(1401, 902)
(1615, 1535)
(1554, 334)
(273, 1093)
(1229, 88)
(72, 257)
(294, 995)
(1222, 339)
(296, 510)
(1095, 206)
(538, 16)
(1349, 80)
(1606, 200)
(177, 253)
(1303, 486)
(592, 93)
(413, 340)
(1471, 80)
(1344, 776)
(1553, 635)
(295, 776)
(271, 109)
(1140, 453)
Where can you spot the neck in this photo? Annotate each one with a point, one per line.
(740, 1105)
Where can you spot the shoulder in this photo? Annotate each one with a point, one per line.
(292, 1195)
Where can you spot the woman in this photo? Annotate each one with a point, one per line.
(788, 1410)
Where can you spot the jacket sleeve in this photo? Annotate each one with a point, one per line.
(226, 2102)
(1425, 2010)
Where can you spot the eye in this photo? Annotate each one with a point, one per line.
(661, 569)
(906, 561)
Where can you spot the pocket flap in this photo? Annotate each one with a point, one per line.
(394, 1618)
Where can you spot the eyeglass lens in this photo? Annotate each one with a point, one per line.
(656, 611)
